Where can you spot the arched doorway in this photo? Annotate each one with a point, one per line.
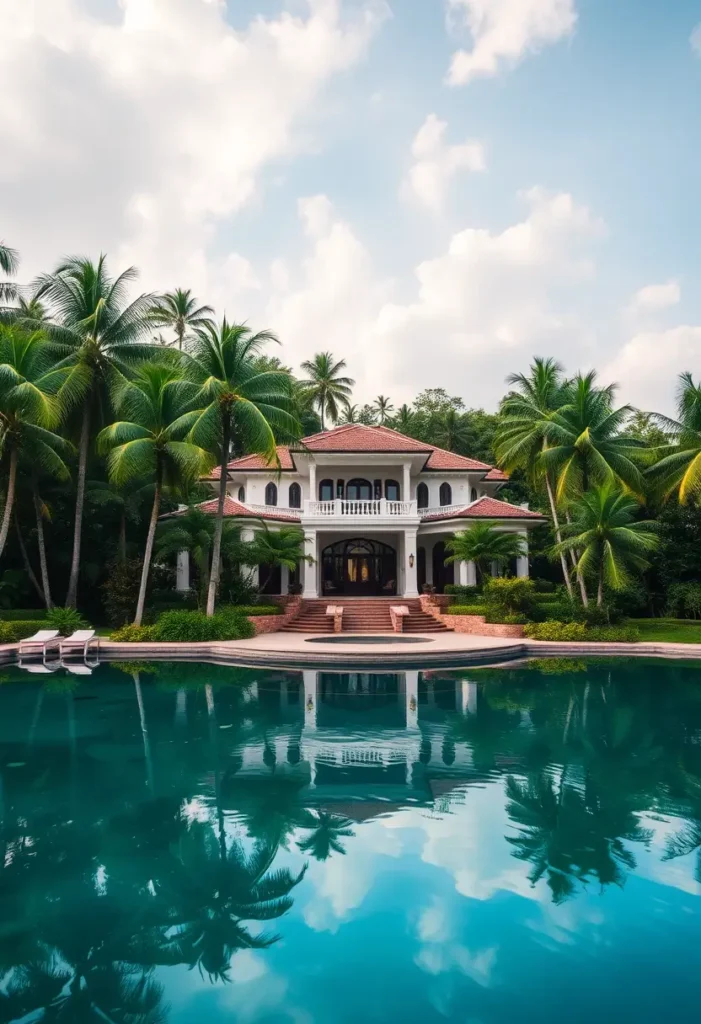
(442, 573)
(366, 568)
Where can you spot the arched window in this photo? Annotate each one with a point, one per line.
(422, 496)
(473, 494)
(271, 494)
(358, 490)
(242, 493)
(446, 494)
(391, 490)
(295, 496)
(326, 490)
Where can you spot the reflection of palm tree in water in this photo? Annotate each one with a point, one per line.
(688, 839)
(327, 831)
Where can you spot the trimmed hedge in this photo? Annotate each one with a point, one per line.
(461, 593)
(22, 614)
(577, 631)
(254, 609)
(189, 627)
(466, 609)
(131, 634)
(13, 632)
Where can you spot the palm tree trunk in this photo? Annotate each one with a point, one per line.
(72, 595)
(558, 535)
(148, 553)
(219, 526)
(144, 731)
(580, 578)
(9, 500)
(600, 591)
(214, 741)
(43, 564)
(25, 561)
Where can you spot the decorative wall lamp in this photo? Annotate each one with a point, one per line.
(411, 561)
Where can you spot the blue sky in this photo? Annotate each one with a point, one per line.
(269, 154)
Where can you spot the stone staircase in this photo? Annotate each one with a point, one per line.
(362, 615)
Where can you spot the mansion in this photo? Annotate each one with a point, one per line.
(376, 508)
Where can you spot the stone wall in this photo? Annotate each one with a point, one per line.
(477, 625)
(274, 623)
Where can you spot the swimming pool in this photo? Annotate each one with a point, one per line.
(185, 843)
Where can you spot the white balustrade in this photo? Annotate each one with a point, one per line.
(442, 510)
(362, 508)
(273, 510)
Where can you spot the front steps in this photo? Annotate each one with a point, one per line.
(362, 615)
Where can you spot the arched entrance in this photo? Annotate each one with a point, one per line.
(442, 573)
(363, 568)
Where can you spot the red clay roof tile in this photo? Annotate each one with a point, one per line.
(487, 508)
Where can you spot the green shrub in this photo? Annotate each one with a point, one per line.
(462, 594)
(131, 634)
(121, 590)
(22, 614)
(544, 586)
(557, 611)
(255, 609)
(195, 627)
(466, 609)
(684, 601)
(173, 600)
(578, 631)
(509, 595)
(13, 632)
(510, 619)
(65, 620)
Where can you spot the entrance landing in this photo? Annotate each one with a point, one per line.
(362, 615)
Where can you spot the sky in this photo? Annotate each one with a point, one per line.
(434, 190)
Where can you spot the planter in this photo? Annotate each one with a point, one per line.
(477, 625)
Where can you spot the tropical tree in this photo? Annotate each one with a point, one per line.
(9, 264)
(273, 548)
(191, 531)
(483, 545)
(608, 540)
(679, 468)
(383, 408)
(96, 330)
(326, 834)
(237, 407)
(178, 311)
(350, 414)
(145, 443)
(522, 437)
(29, 409)
(326, 387)
(452, 431)
(403, 419)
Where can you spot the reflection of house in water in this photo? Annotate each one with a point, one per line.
(362, 742)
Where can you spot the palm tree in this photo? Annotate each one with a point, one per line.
(96, 329)
(179, 312)
(273, 548)
(326, 832)
(607, 538)
(350, 414)
(237, 407)
(383, 407)
(190, 531)
(525, 417)
(28, 410)
(452, 431)
(679, 469)
(403, 419)
(483, 544)
(325, 387)
(585, 443)
(9, 263)
(145, 443)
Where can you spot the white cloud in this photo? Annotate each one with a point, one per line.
(695, 39)
(144, 130)
(435, 163)
(504, 31)
(647, 366)
(657, 296)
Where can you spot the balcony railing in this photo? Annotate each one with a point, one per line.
(363, 509)
(273, 510)
(441, 510)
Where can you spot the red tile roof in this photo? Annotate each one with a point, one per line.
(234, 509)
(487, 508)
(356, 437)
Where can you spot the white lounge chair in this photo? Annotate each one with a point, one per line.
(78, 643)
(41, 670)
(38, 644)
(77, 668)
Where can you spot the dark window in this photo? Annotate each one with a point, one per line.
(326, 490)
(473, 494)
(295, 497)
(271, 494)
(446, 494)
(442, 573)
(391, 490)
(339, 488)
(242, 493)
(422, 496)
(358, 490)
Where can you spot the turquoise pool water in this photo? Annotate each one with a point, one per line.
(188, 843)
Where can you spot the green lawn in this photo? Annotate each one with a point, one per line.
(673, 631)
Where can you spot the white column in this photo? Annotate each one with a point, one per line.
(406, 483)
(463, 574)
(284, 579)
(410, 579)
(309, 571)
(471, 574)
(313, 496)
(522, 570)
(247, 536)
(469, 697)
(182, 571)
(411, 698)
(310, 688)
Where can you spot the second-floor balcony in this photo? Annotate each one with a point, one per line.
(362, 509)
